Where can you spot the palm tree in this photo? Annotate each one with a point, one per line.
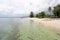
(50, 10)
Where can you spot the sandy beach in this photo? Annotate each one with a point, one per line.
(50, 23)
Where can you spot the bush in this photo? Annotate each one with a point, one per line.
(40, 15)
(47, 16)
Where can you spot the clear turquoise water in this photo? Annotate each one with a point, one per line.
(24, 29)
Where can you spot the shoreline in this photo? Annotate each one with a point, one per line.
(50, 23)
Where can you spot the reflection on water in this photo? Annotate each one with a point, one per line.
(24, 29)
(8, 28)
(11, 28)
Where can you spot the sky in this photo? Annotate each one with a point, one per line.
(14, 7)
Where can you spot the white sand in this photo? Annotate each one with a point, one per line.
(49, 23)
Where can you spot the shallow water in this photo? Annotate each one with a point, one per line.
(24, 29)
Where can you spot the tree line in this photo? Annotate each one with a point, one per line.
(55, 13)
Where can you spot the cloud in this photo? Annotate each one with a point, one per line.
(25, 6)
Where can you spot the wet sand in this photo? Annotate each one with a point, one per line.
(50, 23)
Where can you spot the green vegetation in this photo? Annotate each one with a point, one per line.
(48, 16)
(56, 11)
(31, 14)
(43, 15)
(40, 15)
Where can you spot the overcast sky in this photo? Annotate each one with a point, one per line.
(13, 7)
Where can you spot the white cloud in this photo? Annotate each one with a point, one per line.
(25, 6)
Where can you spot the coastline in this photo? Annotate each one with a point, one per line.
(50, 23)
